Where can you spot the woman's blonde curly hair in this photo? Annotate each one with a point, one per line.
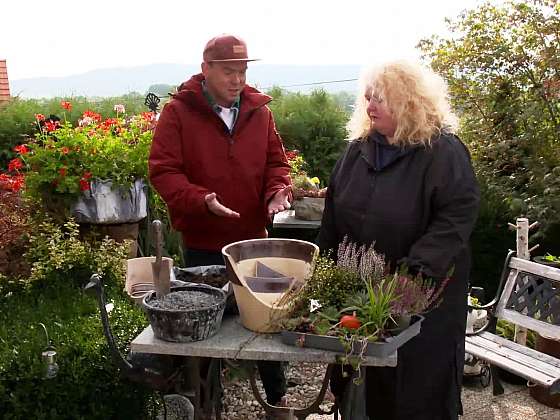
(416, 97)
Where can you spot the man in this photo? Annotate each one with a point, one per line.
(220, 166)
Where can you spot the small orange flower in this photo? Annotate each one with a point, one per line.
(39, 117)
(65, 150)
(66, 105)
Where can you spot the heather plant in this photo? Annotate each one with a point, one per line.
(358, 296)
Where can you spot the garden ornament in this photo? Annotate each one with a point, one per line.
(152, 102)
(49, 357)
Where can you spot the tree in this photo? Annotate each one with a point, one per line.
(313, 124)
(502, 64)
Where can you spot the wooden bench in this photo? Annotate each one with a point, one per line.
(528, 296)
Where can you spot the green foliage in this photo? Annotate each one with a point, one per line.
(312, 124)
(61, 263)
(331, 285)
(501, 63)
(507, 330)
(374, 307)
(17, 117)
(58, 252)
(87, 385)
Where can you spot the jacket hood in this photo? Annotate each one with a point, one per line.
(190, 92)
(378, 153)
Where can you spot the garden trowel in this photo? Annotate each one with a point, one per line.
(160, 269)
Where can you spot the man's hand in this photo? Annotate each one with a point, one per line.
(279, 201)
(217, 208)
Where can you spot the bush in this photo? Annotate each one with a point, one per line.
(312, 124)
(87, 385)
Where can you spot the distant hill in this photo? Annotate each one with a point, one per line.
(119, 81)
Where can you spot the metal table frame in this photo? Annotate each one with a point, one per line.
(233, 341)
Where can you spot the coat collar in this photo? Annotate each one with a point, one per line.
(378, 153)
(191, 92)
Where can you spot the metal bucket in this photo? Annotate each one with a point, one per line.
(186, 325)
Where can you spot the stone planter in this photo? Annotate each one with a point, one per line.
(105, 204)
(309, 208)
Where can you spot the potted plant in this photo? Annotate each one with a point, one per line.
(548, 259)
(355, 304)
(309, 198)
(94, 171)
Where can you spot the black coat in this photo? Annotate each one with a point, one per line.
(419, 205)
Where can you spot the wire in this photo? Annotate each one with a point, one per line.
(313, 83)
(326, 82)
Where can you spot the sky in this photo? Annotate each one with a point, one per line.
(63, 37)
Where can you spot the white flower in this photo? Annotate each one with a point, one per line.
(85, 121)
(314, 305)
(119, 108)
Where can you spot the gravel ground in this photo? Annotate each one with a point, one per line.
(239, 403)
(478, 402)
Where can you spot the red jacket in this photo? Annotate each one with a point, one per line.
(193, 154)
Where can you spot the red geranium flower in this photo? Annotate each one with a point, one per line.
(39, 117)
(62, 171)
(84, 185)
(15, 164)
(51, 125)
(21, 149)
(93, 115)
(291, 154)
(108, 123)
(17, 183)
(66, 105)
(86, 175)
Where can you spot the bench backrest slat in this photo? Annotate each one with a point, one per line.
(535, 268)
(531, 297)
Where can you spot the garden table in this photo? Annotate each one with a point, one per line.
(287, 219)
(233, 341)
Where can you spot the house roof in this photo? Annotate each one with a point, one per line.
(4, 83)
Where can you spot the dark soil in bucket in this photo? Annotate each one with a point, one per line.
(215, 280)
(185, 300)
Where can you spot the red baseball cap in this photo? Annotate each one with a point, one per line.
(226, 48)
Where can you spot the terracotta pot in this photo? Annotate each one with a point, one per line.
(540, 393)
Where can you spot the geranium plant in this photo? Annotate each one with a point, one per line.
(63, 160)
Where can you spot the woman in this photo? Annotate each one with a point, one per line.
(406, 183)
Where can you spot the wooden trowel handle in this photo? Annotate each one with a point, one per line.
(156, 224)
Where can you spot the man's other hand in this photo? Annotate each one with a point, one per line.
(279, 201)
(217, 208)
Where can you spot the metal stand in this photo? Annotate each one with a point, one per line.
(294, 413)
